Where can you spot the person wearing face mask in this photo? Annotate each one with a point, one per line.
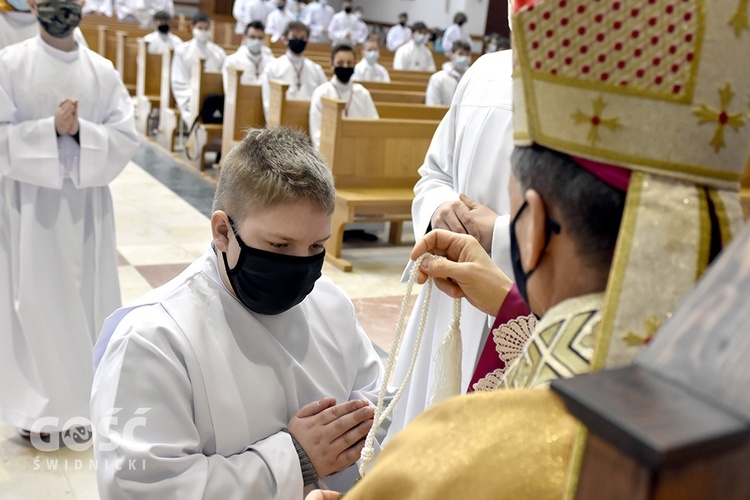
(359, 103)
(302, 74)
(442, 85)
(257, 377)
(199, 47)
(414, 55)
(162, 38)
(278, 20)
(455, 32)
(318, 16)
(17, 23)
(344, 27)
(67, 130)
(368, 69)
(252, 57)
(399, 33)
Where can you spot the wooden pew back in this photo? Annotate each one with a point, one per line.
(398, 96)
(283, 112)
(409, 111)
(243, 109)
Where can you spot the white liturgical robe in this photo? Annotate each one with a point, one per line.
(453, 34)
(182, 66)
(158, 42)
(397, 36)
(346, 28)
(105, 7)
(276, 23)
(366, 72)
(318, 16)
(58, 263)
(252, 65)
(441, 87)
(302, 75)
(413, 56)
(359, 104)
(216, 384)
(470, 154)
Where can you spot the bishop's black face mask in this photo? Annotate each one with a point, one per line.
(522, 277)
(343, 74)
(163, 28)
(59, 19)
(272, 283)
(297, 45)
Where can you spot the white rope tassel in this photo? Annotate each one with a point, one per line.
(380, 413)
(447, 381)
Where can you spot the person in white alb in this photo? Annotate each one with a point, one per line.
(398, 34)
(278, 20)
(302, 74)
(345, 27)
(248, 373)
(260, 10)
(442, 85)
(99, 7)
(368, 69)
(359, 103)
(199, 47)
(362, 31)
(145, 10)
(241, 14)
(252, 57)
(455, 32)
(162, 38)
(318, 16)
(67, 130)
(414, 55)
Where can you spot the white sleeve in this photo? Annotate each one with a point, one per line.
(390, 40)
(266, 87)
(431, 61)
(153, 447)
(432, 94)
(398, 59)
(333, 29)
(386, 76)
(500, 251)
(180, 79)
(315, 118)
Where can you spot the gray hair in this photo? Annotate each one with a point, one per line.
(271, 166)
(591, 209)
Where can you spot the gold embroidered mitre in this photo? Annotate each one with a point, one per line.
(659, 86)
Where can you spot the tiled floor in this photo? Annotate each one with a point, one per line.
(161, 210)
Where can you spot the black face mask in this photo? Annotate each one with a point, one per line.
(297, 45)
(272, 283)
(521, 277)
(402, 23)
(343, 74)
(348, 10)
(59, 19)
(163, 28)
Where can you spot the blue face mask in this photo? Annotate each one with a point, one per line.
(522, 277)
(19, 5)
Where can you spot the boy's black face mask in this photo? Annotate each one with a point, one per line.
(272, 283)
(163, 28)
(59, 19)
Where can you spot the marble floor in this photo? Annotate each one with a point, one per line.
(161, 209)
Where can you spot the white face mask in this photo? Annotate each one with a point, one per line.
(461, 62)
(420, 38)
(323, 2)
(254, 44)
(201, 35)
(372, 56)
(358, 15)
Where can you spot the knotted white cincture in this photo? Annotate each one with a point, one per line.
(447, 381)
(382, 413)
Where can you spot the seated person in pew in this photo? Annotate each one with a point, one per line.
(256, 376)
(278, 20)
(442, 85)
(414, 55)
(252, 57)
(162, 38)
(368, 69)
(359, 103)
(302, 74)
(199, 47)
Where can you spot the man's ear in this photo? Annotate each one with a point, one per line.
(534, 242)
(220, 230)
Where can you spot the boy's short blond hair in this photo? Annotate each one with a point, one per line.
(271, 166)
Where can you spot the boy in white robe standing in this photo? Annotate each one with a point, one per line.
(318, 16)
(414, 55)
(99, 7)
(398, 34)
(278, 20)
(252, 57)
(455, 33)
(162, 38)
(359, 103)
(368, 69)
(66, 131)
(442, 85)
(234, 368)
(199, 47)
(344, 27)
(302, 74)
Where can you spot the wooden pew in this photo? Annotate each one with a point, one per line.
(126, 60)
(169, 115)
(147, 83)
(203, 83)
(398, 96)
(243, 109)
(676, 424)
(374, 163)
(283, 112)
(409, 111)
(394, 86)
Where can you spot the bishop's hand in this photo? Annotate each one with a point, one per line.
(332, 435)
